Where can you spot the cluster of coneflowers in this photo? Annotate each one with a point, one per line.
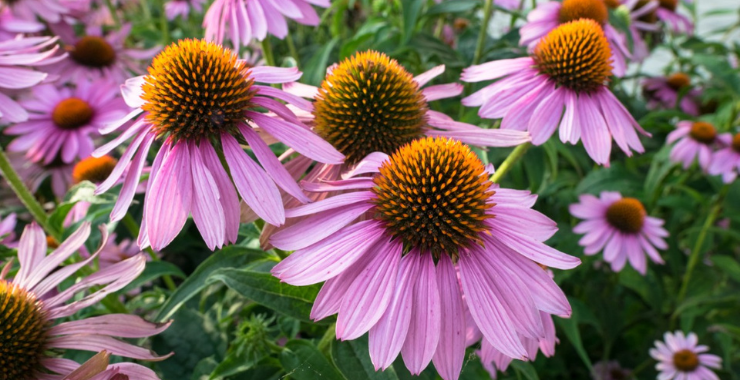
(415, 243)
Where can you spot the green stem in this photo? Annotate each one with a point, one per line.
(164, 25)
(293, 51)
(696, 253)
(281, 254)
(267, 52)
(113, 13)
(26, 197)
(487, 13)
(133, 229)
(509, 162)
(329, 336)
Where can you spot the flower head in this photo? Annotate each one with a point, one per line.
(31, 305)
(427, 209)
(98, 55)
(726, 161)
(621, 227)
(63, 121)
(355, 112)
(668, 13)
(695, 140)
(548, 16)
(197, 95)
(242, 20)
(568, 69)
(664, 92)
(681, 356)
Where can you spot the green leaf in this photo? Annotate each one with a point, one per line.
(728, 265)
(193, 336)
(570, 328)
(303, 361)
(315, 69)
(457, 6)
(153, 271)
(228, 257)
(616, 178)
(411, 11)
(263, 288)
(525, 369)
(353, 359)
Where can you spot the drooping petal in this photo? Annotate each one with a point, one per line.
(424, 329)
(450, 354)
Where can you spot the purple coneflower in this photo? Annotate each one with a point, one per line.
(493, 360)
(667, 12)
(187, 175)
(642, 19)
(240, 21)
(354, 112)
(664, 92)
(682, 358)
(427, 208)
(63, 121)
(535, 90)
(14, 55)
(182, 8)
(696, 139)
(34, 174)
(32, 305)
(726, 161)
(97, 55)
(49, 10)
(7, 230)
(621, 227)
(548, 16)
(11, 26)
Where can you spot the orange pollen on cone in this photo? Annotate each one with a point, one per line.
(703, 132)
(434, 195)
(678, 81)
(196, 89)
(369, 103)
(575, 55)
(93, 51)
(626, 215)
(572, 10)
(736, 142)
(671, 5)
(686, 360)
(94, 169)
(72, 113)
(23, 332)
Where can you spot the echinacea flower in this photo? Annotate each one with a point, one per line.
(621, 227)
(493, 360)
(665, 91)
(568, 69)
(114, 252)
(240, 21)
(7, 230)
(49, 10)
(11, 26)
(549, 15)
(696, 140)
(668, 13)
(62, 121)
(641, 18)
(182, 8)
(14, 55)
(726, 161)
(681, 357)
(187, 175)
(99, 55)
(355, 112)
(34, 174)
(98, 368)
(32, 305)
(609, 370)
(426, 209)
